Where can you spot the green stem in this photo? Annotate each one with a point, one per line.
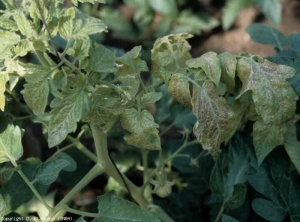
(66, 49)
(220, 212)
(103, 157)
(30, 185)
(97, 170)
(82, 148)
(145, 164)
(167, 129)
(79, 212)
(162, 163)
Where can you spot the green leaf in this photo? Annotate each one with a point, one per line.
(169, 55)
(48, 171)
(3, 80)
(193, 23)
(179, 89)
(226, 218)
(115, 209)
(150, 97)
(167, 7)
(8, 41)
(272, 9)
(101, 60)
(80, 49)
(271, 179)
(230, 173)
(265, 34)
(2, 205)
(267, 210)
(23, 24)
(74, 24)
(80, 219)
(68, 110)
(210, 63)
(228, 66)
(107, 104)
(276, 103)
(232, 10)
(6, 173)
(131, 63)
(11, 190)
(143, 128)
(75, 2)
(296, 43)
(72, 166)
(10, 144)
(8, 24)
(292, 145)
(183, 117)
(292, 61)
(216, 121)
(36, 91)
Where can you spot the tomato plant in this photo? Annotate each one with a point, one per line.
(231, 112)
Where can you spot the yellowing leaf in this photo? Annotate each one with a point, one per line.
(74, 24)
(68, 110)
(10, 144)
(273, 97)
(266, 137)
(147, 139)
(228, 67)
(23, 24)
(179, 89)
(143, 129)
(210, 63)
(3, 80)
(169, 55)
(216, 121)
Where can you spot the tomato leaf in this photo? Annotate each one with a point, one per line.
(67, 111)
(230, 173)
(174, 49)
(216, 120)
(271, 179)
(210, 64)
(143, 129)
(3, 80)
(115, 209)
(75, 24)
(179, 89)
(292, 145)
(10, 144)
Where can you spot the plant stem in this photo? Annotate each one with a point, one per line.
(30, 185)
(162, 163)
(102, 154)
(79, 212)
(97, 170)
(167, 129)
(145, 164)
(220, 212)
(82, 148)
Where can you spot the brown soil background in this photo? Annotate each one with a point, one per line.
(237, 40)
